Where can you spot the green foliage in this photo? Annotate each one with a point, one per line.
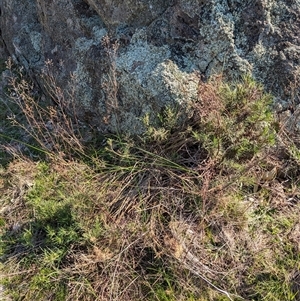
(53, 220)
(272, 287)
(45, 239)
(166, 122)
(44, 280)
(238, 123)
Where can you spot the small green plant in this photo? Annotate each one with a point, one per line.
(166, 122)
(235, 120)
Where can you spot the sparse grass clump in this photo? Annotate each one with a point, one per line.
(205, 211)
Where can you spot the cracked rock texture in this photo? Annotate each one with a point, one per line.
(156, 52)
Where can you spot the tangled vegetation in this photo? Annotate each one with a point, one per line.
(206, 210)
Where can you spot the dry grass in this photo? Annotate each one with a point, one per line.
(207, 211)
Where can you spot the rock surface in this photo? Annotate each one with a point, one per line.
(156, 51)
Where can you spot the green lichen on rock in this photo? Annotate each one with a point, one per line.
(210, 37)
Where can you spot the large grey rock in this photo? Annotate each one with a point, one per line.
(163, 46)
